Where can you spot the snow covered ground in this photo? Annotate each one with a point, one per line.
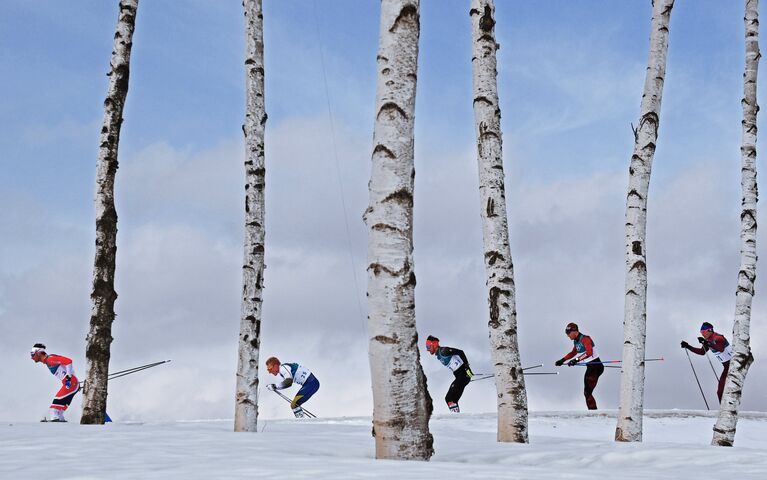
(564, 445)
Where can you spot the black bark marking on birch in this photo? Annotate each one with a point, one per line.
(492, 256)
(410, 281)
(385, 150)
(490, 208)
(377, 268)
(639, 266)
(390, 108)
(636, 248)
(495, 294)
(634, 193)
(486, 22)
(483, 98)
(408, 12)
(650, 118)
(488, 39)
(383, 227)
(401, 196)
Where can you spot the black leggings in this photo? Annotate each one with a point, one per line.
(456, 388)
(590, 379)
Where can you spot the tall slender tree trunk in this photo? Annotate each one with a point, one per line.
(631, 408)
(724, 430)
(103, 295)
(246, 398)
(509, 380)
(401, 403)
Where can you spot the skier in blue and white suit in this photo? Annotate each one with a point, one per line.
(293, 373)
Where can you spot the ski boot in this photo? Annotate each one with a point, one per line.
(453, 407)
(299, 412)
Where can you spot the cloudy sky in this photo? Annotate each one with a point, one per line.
(570, 82)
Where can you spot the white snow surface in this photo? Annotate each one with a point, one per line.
(563, 445)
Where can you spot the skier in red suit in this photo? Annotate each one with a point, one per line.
(61, 368)
(710, 340)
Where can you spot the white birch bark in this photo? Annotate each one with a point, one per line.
(103, 295)
(401, 403)
(724, 429)
(509, 380)
(246, 397)
(631, 408)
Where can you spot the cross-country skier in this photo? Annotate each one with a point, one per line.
(584, 349)
(293, 373)
(61, 367)
(455, 360)
(710, 340)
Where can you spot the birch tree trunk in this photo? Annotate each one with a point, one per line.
(401, 403)
(724, 429)
(509, 380)
(631, 408)
(246, 397)
(103, 295)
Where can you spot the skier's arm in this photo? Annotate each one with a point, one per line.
(287, 378)
(571, 354)
(700, 351)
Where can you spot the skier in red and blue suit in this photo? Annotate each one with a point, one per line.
(61, 368)
(710, 340)
(584, 349)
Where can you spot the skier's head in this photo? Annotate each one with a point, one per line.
(571, 330)
(38, 352)
(273, 365)
(432, 344)
(706, 330)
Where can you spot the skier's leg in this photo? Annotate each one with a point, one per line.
(722, 380)
(455, 391)
(308, 389)
(62, 400)
(590, 380)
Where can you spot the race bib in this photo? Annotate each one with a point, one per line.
(455, 363)
(301, 375)
(725, 355)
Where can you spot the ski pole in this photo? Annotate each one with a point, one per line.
(696, 378)
(310, 414)
(542, 373)
(492, 374)
(129, 371)
(137, 369)
(534, 366)
(581, 364)
(712, 368)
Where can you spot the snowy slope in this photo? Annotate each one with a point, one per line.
(566, 445)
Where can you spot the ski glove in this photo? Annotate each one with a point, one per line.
(559, 362)
(701, 340)
(271, 387)
(469, 373)
(685, 345)
(572, 362)
(68, 381)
